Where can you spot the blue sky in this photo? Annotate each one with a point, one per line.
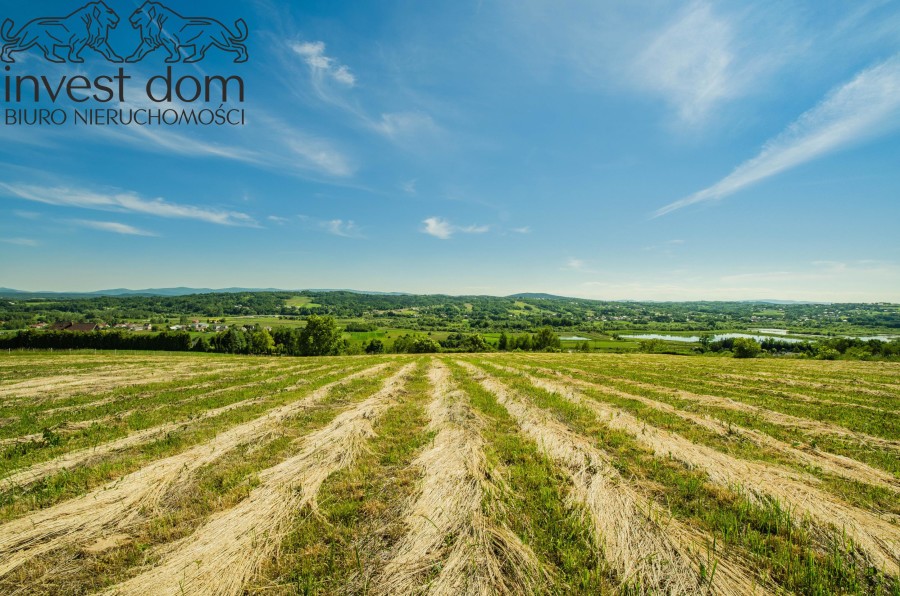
(614, 150)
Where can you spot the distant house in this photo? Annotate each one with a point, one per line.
(70, 326)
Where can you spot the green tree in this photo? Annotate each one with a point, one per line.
(744, 347)
(202, 345)
(424, 345)
(230, 341)
(320, 337)
(545, 339)
(503, 344)
(376, 346)
(261, 342)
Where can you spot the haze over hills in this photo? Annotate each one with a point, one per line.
(187, 291)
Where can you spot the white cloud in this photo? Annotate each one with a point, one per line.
(20, 241)
(443, 229)
(404, 124)
(343, 75)
(313, 54)
(439, 228)
(277, 219)
(125, 202)
(320, 155)
(340, 227)
(522, 230)
(866, 107)
(409, 186)
(691, 63)
(112, 226)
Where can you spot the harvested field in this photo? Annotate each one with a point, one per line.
(447, 474)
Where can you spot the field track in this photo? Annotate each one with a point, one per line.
(447, 474)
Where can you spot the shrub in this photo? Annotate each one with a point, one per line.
(744, 347)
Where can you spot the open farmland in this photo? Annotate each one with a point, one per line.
(447, 474)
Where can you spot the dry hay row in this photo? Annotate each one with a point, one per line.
(98, 389)
(228, 550)
(71, 427)
(789, 421)
(161, 370)
(67, 461)
(832, 463)
(650, 555)
(115, 507)
(64, 428)
(772, 387)
(787, 375)
(29, 370)
(447, 529)
(705, 378)
(852, 386)
(223, 380)
(876, 537)
(46, 386)
(810, 399)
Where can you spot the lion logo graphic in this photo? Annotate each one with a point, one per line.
(163, 27)
(87, 27)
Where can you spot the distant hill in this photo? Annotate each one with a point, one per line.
(179, 291)
(539, 296)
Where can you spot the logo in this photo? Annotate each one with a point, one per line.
(165, 28)
(87, 27)
(184, 39)
(99, 97)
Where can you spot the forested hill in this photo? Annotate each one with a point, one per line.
(524, 311)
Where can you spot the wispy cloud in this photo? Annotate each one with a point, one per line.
(313, 53)
(268, 143)
(409, 187)
(124, 202)
(321, 155)
(20, 241)
(112, 226)
(265, 140)
(443, 229)
(666, 248)
(522, 230)
(401, 127)
(278, 219)
(575, 264)
(866, 107)
(690, 63)
(404, 124)
(343, 228)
